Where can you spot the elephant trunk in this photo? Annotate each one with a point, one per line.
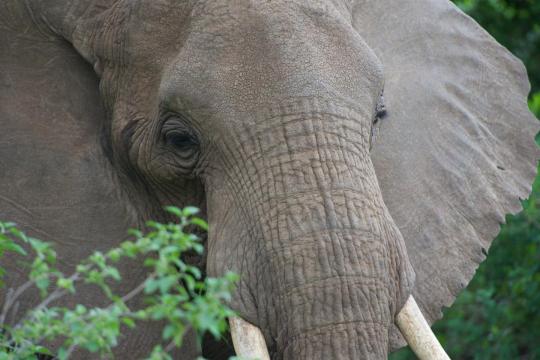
(323, 266)
(340, 283)
(342, 265)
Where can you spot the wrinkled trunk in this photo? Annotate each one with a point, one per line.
(340, 283)
(324, 269)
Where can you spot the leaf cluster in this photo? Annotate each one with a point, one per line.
(175, 293)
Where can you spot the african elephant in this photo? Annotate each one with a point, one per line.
(268, 115)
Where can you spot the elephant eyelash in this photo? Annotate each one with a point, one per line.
(173, 122)
(168, 116)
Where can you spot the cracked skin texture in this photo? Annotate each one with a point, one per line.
(261, 113)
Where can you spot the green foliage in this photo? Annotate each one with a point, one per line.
(176, 294)
(534, 104)
(498, 315)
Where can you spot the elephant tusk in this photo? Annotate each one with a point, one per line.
(248, 340)
(418, 334)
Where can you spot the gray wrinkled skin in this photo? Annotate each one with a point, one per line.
(261, 113)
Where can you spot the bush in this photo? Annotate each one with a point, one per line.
(175, 294)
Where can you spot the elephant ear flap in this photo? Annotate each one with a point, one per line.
(456, 152)
(54, 180)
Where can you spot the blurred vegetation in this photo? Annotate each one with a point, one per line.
(498, 315)
(175, 293)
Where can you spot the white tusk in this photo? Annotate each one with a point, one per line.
(418, 334)
(248, 340)
(249, 343)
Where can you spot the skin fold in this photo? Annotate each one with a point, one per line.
(260, 113)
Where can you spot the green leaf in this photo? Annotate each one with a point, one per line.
(62, 353)
(115, 254)
(200, 223)
(129, 322)
(189, 211)
(167, 282)
(66, 283)
(43, 350)
(40, 247)
(12, 246)
(112, 272)
(18, 233)
(151, 286)
(534, 104)
(168, 332)
(174, 210)
(130, 249)
(42, 284)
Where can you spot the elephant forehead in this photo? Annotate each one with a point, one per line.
(154, 27)
(237, 54)
(216, 23)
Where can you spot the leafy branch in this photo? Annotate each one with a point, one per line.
(175, 293)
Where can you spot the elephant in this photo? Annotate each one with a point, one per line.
(348, 155)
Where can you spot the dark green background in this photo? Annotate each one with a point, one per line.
(498, 315)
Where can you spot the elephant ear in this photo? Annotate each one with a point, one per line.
(456, 152)
(54, 180)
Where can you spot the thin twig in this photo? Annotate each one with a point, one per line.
(5, 307)
(170, 346)
(135, 291)
(59, 293)
(11, 297)
(70, 350)
(55, 295)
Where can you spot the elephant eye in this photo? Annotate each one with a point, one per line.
(379, 114)
(380, 109)
(181, 139)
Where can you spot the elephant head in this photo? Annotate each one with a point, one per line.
(267, 115)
